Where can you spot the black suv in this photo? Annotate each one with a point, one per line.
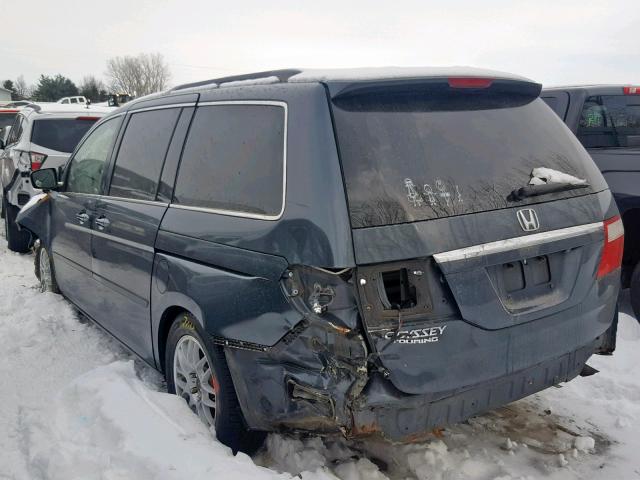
(606, 120)
(360, 251)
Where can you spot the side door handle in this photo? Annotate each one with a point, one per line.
(82, 217)
(102, 222)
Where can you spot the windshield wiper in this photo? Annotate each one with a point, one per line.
(535, 190)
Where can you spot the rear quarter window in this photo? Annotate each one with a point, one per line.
(558, 102)
(234, 160)
(16, 129)
(610, 121)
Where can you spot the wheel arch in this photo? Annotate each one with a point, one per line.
(173, 306)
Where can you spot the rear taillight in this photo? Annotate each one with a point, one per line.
(88, 119)
(469, 82)
(37, 159)
(631, 90)
(611, 258)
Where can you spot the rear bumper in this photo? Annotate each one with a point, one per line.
(319, 378)
(385, 411)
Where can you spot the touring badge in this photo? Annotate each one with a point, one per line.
(417, 336)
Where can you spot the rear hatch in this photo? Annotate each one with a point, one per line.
(450, 263)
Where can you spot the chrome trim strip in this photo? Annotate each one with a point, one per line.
(161, 107)
(78, 228)
(121, 199)
(234, 213)
(231, 213)
(516, 243)
(109, 116)
(123, 241)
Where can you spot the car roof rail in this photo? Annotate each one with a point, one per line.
(283, 75)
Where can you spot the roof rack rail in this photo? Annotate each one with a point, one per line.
(283, 75)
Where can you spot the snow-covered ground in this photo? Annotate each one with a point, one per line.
(76, 405)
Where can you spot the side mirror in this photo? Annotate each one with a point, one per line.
(45, 179)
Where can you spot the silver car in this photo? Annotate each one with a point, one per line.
(41, 135)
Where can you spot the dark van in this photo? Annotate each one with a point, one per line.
(606, 120)
(360, 251)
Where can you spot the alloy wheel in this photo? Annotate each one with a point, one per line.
(194, 379)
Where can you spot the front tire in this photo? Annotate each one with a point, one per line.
(17, 240)
(197, 371)
(44, 270)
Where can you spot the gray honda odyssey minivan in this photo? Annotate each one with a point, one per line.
(372, 252)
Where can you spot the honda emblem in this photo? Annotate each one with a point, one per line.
(528, 219)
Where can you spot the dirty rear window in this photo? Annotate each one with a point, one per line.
(412, 157)
(60, 134)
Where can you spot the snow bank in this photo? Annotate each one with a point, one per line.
(109, 424)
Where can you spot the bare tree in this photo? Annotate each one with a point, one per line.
(140, 75)
(93, 89)
(21, 88)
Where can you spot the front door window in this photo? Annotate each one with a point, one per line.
(87, 165)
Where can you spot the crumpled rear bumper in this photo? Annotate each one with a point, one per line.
(383, 410)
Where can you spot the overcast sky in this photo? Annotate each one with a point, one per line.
(554, 42)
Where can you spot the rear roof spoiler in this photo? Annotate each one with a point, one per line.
(450, 85)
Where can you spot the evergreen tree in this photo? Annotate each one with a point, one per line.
(50, 89)
(8, 84)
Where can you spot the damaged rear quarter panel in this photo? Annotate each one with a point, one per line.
(291, 369)
(308, 385)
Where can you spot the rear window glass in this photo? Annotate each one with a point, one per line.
(60, 134)
(233, 160)
(610, 121)
(415, 157)
(6, 119)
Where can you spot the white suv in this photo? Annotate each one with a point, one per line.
(73, 100)
(40, 134)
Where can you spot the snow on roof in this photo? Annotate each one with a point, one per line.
(390, 73)
(251, 81)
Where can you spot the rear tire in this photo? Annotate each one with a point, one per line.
(634, 291)
(17, 240)
(226, 417)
